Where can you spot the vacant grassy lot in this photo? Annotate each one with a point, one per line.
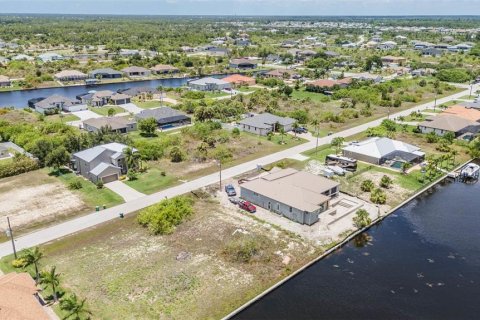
(210, 264)
(148, 104)
(103, 111)
(61, 118)
(151, 181)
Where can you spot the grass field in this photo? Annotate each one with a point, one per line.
(148, 104)
(61, 118)
(103, 111)
(152, 181)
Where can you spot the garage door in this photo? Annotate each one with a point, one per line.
(110, 178)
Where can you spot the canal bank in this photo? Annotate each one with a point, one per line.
(19, 98)
(310, 293)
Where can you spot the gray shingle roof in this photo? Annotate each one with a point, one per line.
(101, 168)
(163, 115)
(266, 120)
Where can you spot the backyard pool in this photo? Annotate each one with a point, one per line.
(397, 165)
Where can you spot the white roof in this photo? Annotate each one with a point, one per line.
(379, 147)
(208, 80)
(90, 154)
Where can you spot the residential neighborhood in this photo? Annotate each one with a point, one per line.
(239, 166)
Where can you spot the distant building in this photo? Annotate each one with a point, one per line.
(50, 57)
(136, 72)
(22, 57)
(242, 64)
(379, 150)
(105, 162)
(106, 73)
(70, 75)
(297, 195)
(5, 81)
(433, 52)
(324, 85)
(387, 45)
(209, 84)
(237, 79)
(56, 103)
(264, 123)
(393, 60)
(444, 123)
(104, 97)
(164, 69)
(116, 124)
(283, 74)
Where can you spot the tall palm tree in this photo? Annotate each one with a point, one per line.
(131, 158)
(295, 126)
(51, 278)
(315, 123)
(282, 133)
(33, 257)
(75, 308)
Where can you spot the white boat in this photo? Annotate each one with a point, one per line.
(471, 171)
(337, 170)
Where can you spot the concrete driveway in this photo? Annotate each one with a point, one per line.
(86, 114)
(124, 191)
(131, 107)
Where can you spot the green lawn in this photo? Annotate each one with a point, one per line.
(314, 96)
(61, 118)
(211, 95)
(148, 104)
(90, 194)
(152, 181)
(103, 111)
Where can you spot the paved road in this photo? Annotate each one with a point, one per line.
(124, 191)
(93, 219)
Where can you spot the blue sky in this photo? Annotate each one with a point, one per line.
(245, 7)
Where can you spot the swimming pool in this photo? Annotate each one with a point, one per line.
(397, 165)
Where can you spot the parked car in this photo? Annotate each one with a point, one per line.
(234, 200)
(247, 206)
(330, 133)
(300, 130)
(230, 190)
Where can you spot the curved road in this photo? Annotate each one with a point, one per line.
(93, 219)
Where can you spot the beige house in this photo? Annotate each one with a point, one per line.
(70, 75)
(117, 124)
(5, 81)
(164, 69)
(444, 123)
(136, 72)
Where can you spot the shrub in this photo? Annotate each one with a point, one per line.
(75, 184)
(19, 263)
(99, 184)
(235, 132)
(362, 219)
(386, 182)
(176, 155)
(163, 217)
(367, 186)
(131, 175)
(431, 137)
(21, 165)
(378, 196)
(194, 95)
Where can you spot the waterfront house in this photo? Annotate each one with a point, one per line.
(264, 123)
(70, 75)
(5, 81)
(50, 57)
(115, 124)
(165, 117)
(56, 103)
(282, 74)
(378, 150)
(209, 84)
(101, 163)
(104, 97)
(143, 92)
(20, 299)
(239, 80)
(105, 73)
(297, 195)
(22, 57)
(243, 64)
(133, 72)
(387, 60)
(164, 69)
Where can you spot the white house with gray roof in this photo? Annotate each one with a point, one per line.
(209, 84)
(56, 103)
(264, 123)
(104, 162)
(378, 150)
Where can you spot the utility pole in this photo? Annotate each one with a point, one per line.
(435, 103)
(220, 179)
(10, 233)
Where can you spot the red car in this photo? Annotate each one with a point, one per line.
(245, 205)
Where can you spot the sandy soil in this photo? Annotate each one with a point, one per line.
(28, 204)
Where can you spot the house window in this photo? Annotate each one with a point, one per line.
(255, 194)
(290, 209)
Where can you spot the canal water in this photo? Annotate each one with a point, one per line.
(422, 262)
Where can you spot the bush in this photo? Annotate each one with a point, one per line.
(367, 186)
(235, 132)
(75, 184)
(19, 263)
(431, 137)
(362, 219)
(21, 165)
(162, 218)
(386, 182)
(176, 155)
(99, 184)
(378, 196)
(194, 95)
(453, 75)
(131, 175)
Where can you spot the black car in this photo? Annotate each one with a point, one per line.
(230, 190)
(300, 130)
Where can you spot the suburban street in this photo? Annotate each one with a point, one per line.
(93, 219)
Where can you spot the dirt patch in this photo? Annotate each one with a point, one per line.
(26, 204)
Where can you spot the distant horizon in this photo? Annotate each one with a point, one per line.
(313, 8)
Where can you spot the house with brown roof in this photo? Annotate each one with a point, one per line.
(116, 124)
(444, 123)
(164, 69)
(19, 298)
(70, 75)
(5, 81)
(297, 195)
(136, 72)
(471, 114)
(239, 80)
(104, 97)
(283, 74)
(325, 85)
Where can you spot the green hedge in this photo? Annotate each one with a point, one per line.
(17, 167)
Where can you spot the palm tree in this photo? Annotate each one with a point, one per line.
(405, 167)
(75, 308)
(315, 123)
(282, 134)
(33, 257)
(453, 154)
(51, 278)
(295, 126)
(132, 158)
